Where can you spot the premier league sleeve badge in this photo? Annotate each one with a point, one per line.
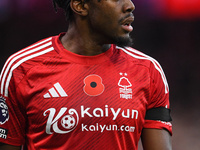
(4, 116)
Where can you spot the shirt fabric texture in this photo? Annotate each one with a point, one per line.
(57, 99)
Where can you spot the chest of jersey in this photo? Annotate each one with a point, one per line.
(73, 99)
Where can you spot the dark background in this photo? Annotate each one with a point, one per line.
(167, 30)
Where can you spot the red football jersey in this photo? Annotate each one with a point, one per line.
(52, 98)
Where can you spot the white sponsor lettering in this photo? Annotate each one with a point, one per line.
(84, 127)
(69, 119)
(3, 136)
(99, 112)
(83, 112)
(3, 131)
(115, 114)
(102, 128)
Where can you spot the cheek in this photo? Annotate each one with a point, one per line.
(103, 16)
(106, 23)
(100, 23)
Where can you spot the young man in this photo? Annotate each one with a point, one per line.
(79, 90)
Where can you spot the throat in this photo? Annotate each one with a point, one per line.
(92, 50)
(84, 48)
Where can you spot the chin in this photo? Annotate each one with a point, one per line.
(123, 41)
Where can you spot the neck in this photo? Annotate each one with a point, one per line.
(81, 42)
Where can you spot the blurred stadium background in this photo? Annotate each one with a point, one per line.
(168, 30)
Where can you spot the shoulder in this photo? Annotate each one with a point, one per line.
(30, 55)
(18, 64)
(139, 57)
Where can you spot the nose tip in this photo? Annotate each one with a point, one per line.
(129, 6)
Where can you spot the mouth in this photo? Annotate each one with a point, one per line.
(126, 24)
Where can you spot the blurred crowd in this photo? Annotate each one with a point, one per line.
(168, 30)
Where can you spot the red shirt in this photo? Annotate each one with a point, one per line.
(55, 99)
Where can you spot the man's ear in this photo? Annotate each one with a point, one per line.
(79, 7)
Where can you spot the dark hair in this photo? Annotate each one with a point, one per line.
(65, 5)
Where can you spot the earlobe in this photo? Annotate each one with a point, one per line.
(79, 7)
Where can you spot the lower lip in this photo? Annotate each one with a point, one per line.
(127, 28)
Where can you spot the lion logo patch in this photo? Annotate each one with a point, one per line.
(4, 116)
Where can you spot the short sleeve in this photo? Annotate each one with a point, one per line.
(158, 108)
(12, 118)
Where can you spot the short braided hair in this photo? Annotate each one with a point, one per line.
(65, 5)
